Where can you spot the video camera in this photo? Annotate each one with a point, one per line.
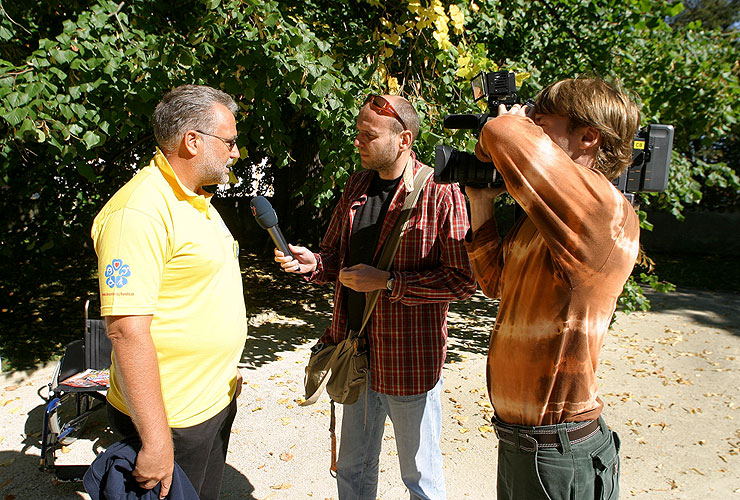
(651, 153)
(464, 168)
(651, 160)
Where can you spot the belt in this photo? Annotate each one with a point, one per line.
(545, 437)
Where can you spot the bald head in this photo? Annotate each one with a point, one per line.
(407, 113)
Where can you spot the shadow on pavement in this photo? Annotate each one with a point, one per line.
(711, 309)
(283, 331)
(21, 477)
(470, 323)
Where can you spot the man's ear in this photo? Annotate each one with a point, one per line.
(590, 137)
(190, 142)
(405, 140)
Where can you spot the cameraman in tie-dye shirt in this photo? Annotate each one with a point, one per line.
(558, 273)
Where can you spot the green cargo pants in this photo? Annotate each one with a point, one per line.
(584, 470)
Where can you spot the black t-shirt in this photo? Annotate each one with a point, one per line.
(366, 228)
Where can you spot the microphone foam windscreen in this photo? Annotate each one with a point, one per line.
(263, 212)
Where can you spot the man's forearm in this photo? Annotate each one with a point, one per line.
(138, 371)
(481, 211)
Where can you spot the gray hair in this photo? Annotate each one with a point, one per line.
(187, 107)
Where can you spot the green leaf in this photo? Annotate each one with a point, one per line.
(86, 171)
(16, 115)
(323, 85)
(5, 34)
(62, 56)
(91, 139)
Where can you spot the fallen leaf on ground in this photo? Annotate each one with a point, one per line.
(281, 486)
(286, 457)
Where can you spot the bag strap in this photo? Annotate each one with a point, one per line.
(390, 247)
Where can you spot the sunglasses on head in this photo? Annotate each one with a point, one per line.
(380, 105)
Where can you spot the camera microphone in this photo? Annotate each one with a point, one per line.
(267, 219)
(465, 121)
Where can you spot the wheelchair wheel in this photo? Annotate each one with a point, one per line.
(67, 415)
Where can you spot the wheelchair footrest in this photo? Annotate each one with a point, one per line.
(66, 473)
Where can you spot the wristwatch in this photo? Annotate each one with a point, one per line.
(389, 283)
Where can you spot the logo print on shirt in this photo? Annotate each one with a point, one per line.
(116, 274)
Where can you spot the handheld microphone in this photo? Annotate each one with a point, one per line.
(267, 219)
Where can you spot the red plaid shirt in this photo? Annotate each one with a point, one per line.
(408, 328)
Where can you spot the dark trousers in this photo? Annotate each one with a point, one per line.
(200, 450)
(582, 471)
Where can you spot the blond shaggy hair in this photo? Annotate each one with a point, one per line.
(595, 103)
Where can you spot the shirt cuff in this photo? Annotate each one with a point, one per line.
(318, 271)
(399, 287)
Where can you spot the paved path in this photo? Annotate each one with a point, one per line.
(669, 379)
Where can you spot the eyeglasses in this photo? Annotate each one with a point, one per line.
(383, 107)
(230, 143)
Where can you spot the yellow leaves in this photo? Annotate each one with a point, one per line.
(458, 18)
(285, 421)
(520, 77)
(393, 86)
(438, 8)
(485, 428)
(443, 40)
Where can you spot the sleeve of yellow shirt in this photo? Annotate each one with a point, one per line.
(132, 250)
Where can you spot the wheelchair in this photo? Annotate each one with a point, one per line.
(77, 390)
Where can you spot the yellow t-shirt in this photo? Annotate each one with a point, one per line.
(164, 250)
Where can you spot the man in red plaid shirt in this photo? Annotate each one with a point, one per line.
(408, 328)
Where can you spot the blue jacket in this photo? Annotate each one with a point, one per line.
(109, 477)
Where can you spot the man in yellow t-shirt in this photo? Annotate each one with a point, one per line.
(171, 294)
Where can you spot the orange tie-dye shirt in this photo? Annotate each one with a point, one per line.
(558, 273)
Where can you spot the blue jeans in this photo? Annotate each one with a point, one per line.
(417, 424)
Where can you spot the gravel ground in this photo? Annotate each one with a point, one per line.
(669, 379)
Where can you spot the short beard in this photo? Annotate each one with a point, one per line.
(383, 163)
(212, 170)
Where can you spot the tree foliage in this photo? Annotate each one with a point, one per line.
(79, 80)
(712, 14)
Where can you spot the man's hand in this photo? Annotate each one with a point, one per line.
(363, 278)
(517, 109)
(154, 464)
(302, 262)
